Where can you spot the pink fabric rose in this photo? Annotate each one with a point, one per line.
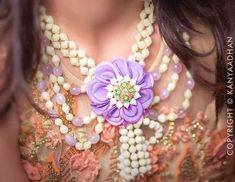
(86, 166)
(31, 171)
(108, 133)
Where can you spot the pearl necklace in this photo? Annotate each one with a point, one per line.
(78, 57)
(134, 145)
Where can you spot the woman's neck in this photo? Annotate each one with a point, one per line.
(94, 23)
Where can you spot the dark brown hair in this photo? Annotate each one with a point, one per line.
(19, 21)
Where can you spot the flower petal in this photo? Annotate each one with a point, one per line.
(113, 116)
(97, 92)
(105, 72)
(146, 97)
(122, 66)
(147, 81)
(133, 113)
(136, 71)
(99, 109)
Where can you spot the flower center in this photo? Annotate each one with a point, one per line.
(124, 91)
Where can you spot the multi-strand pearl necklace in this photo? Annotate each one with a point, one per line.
(134, 157)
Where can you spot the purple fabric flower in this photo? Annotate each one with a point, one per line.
(120, 91)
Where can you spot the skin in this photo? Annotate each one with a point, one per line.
(100, 27)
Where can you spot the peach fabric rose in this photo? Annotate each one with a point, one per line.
(108, 133)
(31, 171)
(85, 165)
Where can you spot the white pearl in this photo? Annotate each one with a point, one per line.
(55, 38)
(132, 149)
(90, 62)
(134, 164)
(123, 131)
(100, 119)
(64, 129)
(145, 53)
(69, 117)
(45, 95)
(49, 104)
(55, 29)
(131, 134)
(152, 140)
(65, 52)
(87, 145)
(143, 169)
(55, 60)
(72, 53)
(171, 86)
(124, 146)
(152, 124)
(188, 94)
(138, 139)
(131, 141)
(139, 147)
(158, 135)
(50, 50)
(60, 80)
(171, 116)
(126, 162)
(165, 59)
(175, 77)
(175, 58)
(53, 78)
(58, 122)
(66, 86)
(49, 19)
(162, 68)
(146, 121)
(148, 41)
(126, 154)
(123, 139)
(142, 162)
(72, 45)
(64, 44)
(65, 108)
(79, 146)
(156, 100)
(134, 156)
(130, 127)
(56, 88)
(186, 104)
(63, 37)
(99, 128)
(83, 62)
(74, 61)
(140, 155)
(84, 70)
(162, 118)
(81, 53)
(134, 171)
(138, 131)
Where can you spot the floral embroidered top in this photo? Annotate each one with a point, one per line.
(189, 149)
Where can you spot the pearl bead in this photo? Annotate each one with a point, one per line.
(142, 162)
(58, 122)
(164, 94)
(90, 62)
(77, 121)
(140, 155)
(60, 80)
(171, 116)
(126, 162)
(42, 86)
(94, 138)
(81, 53)
(132, 149)
(162, 118)
(65, 108)
(124, 146)
(79, 146)
(64, 129)
(66, 86)
(138, 131)
(165, 59)
(99, 128)
(49, 104)
(63, 37)
(123, 131)
(126, 154)
(74, 61)
(135, 164)
(70, 140)
(100, 119)
(60, 99)
(75, 90)
(134, 172)
(134, 156)
(56, 88)
(139, 147)
(69, 117)
(123, 139)
(152, 140)
(72, 45)
(186, 104)
(131, 134)
(171, 86)
(45, 95)
(87, 145)
(138, 139)
(131, 141)
(163, 68)
(146, 121)
(143, 169)
(152, 124)
(86, 120)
